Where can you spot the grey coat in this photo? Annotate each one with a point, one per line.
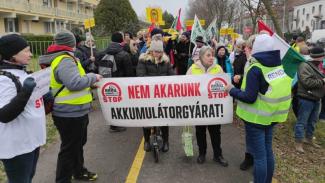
(67, 73)
(310, 82)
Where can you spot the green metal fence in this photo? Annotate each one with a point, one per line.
(40, 48)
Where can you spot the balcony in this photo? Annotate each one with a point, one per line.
(93, 2)
(36, 9)
(318, 16)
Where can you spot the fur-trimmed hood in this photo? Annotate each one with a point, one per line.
(148, 57)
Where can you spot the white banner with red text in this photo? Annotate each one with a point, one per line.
(166, 100)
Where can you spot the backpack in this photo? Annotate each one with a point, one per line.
(14, 79)
(107, 66)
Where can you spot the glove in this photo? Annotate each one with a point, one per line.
(29, 84)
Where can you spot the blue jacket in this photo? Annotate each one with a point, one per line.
(228, 66)
(144, 48)
(255, 79)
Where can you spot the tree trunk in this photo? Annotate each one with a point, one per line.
(268, 7)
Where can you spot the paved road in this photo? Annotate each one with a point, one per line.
(111, 155)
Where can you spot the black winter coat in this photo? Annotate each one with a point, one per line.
(122, 59)
(147, 66)
(239, 66)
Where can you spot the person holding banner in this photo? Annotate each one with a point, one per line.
(263, 101)
(22, 117)
(71, 85)
(155, 63)
(207, 65)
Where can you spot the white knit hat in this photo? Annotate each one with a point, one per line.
(156, 45)
(262, 43)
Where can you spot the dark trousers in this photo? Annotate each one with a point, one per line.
(164, 132)
(322, 111)
(215, 136)
(21, 169)
(73, 133)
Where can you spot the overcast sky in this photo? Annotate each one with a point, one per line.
(172, 6)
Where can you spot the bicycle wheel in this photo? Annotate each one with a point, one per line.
(156, 154)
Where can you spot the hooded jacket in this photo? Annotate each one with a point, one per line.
(255, 80)
(67, 73)
(83, 53)
(310, 82)
(148, 67)
(122, 59)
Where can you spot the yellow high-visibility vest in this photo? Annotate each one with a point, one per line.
(66, 96)
(274, 105)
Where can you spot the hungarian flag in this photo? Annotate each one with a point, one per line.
(290, 58)
(178, 24)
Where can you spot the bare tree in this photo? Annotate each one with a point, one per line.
(270, 11)
(254, 8)
(210, 9)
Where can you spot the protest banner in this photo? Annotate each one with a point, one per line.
(42, 79)
(154, 15)
(166, 101)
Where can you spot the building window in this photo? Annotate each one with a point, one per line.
(313, 10)
(303, 11)
(320, 9)
(307, 16)
(302, 24)
(297, 13)
(48, 27)
(70, 6)
(322, 24)
(47, 3)
(10, 25)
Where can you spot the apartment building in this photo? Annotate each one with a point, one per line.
(44, 16)
(309, 13)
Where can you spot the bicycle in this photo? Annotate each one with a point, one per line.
(156, 142)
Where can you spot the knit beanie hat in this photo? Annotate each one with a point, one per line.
(11, 44)
(156, 31)
(187, 34)
(65, 38)
(117, 37)
(262, 43)
(317, 52)
(156, 45)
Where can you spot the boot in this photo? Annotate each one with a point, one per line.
(221, 160)
(165, 147)
(310, 141)
(247, 163)
(201, 159)
(299, 147)
(117, 129)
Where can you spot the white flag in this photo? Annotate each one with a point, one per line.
(211, 30)
(197, 30)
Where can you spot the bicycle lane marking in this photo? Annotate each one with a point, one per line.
(136, 165)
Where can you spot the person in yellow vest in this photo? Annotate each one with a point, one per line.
(263, 101)
(299, 43)
(71, 86)
(207, 65)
